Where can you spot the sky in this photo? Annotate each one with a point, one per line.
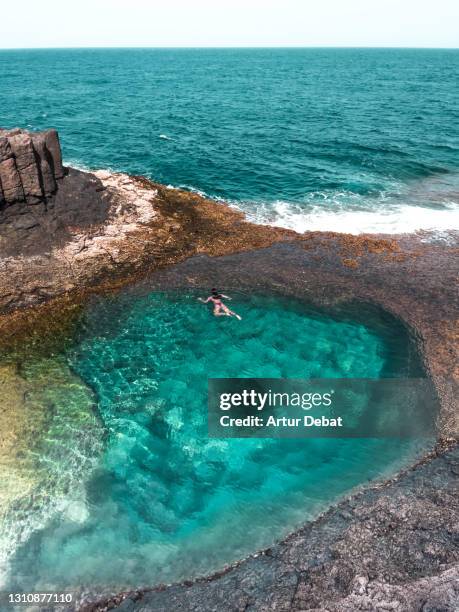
(229, 23)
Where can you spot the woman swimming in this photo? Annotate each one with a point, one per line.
(220, 309)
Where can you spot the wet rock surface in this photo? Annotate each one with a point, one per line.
(390, 547)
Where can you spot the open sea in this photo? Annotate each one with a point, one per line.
(333, 139)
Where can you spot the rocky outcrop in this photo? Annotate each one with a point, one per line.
(30, 166)
(42, 206)
(106, 229)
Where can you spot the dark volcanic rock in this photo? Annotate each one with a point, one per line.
(28, 168)
(31, 165)
(11, 181)
(5, 149)
(78, 204)
(54, 148)
(31, 172)
(47, 164)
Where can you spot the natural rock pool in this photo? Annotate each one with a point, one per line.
(130, 491)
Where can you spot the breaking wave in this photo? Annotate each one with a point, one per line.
(402, 219)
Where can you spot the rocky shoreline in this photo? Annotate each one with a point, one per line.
(101, 231)
(389, 547)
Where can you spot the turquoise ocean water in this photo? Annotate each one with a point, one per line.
(165, 502)
(345, 139)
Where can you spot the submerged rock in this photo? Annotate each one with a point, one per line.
(51, 440)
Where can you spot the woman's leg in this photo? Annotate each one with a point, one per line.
(230, 313)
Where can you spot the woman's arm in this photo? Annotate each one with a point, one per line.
(205, 301)
(227, 297)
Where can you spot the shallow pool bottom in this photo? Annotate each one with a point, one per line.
(164, 501)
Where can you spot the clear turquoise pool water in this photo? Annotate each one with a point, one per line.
(165, 502)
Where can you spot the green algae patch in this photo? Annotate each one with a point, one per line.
(41, 330)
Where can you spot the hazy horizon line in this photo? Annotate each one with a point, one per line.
(184, 47)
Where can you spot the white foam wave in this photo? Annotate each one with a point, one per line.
(394, 212)
(78, 165)
(345, 212)
(401, 219)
